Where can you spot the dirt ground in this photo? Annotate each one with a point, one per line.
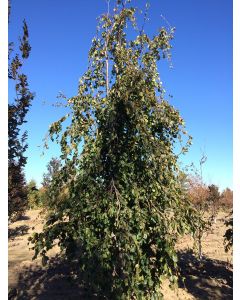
(210, 279)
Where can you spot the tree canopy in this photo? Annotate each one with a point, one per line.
(125, 207)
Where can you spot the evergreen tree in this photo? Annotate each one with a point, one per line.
(125, 207)
(17, 110)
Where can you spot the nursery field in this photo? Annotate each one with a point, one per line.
(210, 279)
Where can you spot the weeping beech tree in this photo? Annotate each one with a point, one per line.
(125, 207)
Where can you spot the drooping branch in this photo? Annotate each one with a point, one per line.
(106, 54)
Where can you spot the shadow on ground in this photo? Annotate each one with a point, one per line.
(18, 231)
(209, 279)
(55, 282)
(23, 218)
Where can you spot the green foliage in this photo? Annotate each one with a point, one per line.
(33, 197)
(203, 199)
(214, 198)
(53, 167)
(228, 236)
(124, 207)
(43, 197)
(17, 110)
(17, 192)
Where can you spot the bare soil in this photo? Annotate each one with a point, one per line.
(209, 279)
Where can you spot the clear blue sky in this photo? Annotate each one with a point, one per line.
(200, 81)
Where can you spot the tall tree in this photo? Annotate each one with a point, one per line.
(125, 208)
(17, 110)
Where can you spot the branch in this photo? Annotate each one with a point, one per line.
(118, 195)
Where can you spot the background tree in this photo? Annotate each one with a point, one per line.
(213, 199)
(226, 200)
(33, 195)
(228, 236)
(17, 110)
(198, 194)
(125, 207)
(52, 169)
(205, 199)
